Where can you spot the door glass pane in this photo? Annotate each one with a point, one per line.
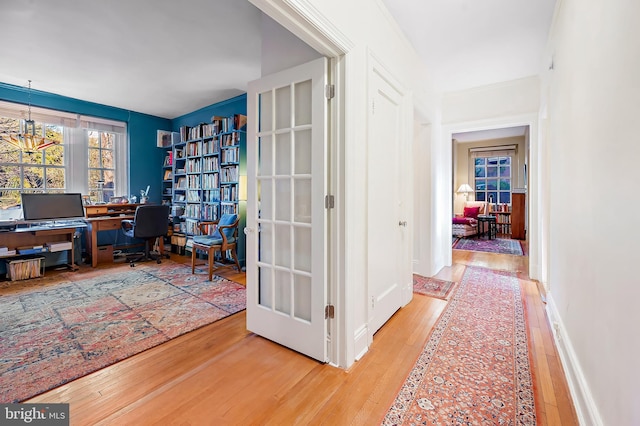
(283, 245)
(505, 171)
(302, 297)
(302, 150)
(505, 184)
(265, 286)
(283, 154)
(265, 194)
(302, 248)
(302, 200)
(265, 251)
(283, 199)
(283, 108)
(505, 197)
(492, 171)
(302, 93)
(480, 171)
(265, 156)
(282, 288)
(492, 184)
(266, 112)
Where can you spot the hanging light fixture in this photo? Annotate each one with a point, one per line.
(27, 140)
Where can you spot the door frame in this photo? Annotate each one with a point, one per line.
(534, 212)
(314, 29)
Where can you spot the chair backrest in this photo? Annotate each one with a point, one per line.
(151, 221)
(227, 219)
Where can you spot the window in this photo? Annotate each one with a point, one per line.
(102, 169)
(91, 150)
(493, 179)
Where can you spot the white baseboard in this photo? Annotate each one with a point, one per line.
(586, 408)
(360, 342)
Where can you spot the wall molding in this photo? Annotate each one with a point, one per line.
(586, 408)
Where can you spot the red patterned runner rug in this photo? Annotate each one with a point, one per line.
(432, 287)
(475, 368)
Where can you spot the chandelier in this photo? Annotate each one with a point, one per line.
(27, 140)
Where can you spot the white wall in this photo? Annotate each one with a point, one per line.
(594, 152)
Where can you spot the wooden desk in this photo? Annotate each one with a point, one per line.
(26, 236)
(97, 224)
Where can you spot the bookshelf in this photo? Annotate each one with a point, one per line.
(208, 162)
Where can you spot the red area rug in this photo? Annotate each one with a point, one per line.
(496, 245)
(440, 289)
(53, 331)
(475, 368)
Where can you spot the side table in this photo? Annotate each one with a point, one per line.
(487, 225)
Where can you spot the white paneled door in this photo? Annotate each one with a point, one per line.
(387, 225)
(286, 215)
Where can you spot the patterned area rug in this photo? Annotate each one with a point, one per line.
(496, 245)
(53, 331)
(432, 287)
(475, 368)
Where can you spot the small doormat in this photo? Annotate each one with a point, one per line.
(496, 245)
(432, 287)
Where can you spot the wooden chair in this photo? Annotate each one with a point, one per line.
(222, 239)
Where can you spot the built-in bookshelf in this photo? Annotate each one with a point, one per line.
(208, 160)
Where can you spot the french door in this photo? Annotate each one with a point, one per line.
(287, 223)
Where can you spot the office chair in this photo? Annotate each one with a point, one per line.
(223, 238)
(150, 222)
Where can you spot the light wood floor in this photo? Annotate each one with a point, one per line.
(223, 375)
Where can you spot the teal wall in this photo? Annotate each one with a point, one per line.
(237, 105)
(146, 159)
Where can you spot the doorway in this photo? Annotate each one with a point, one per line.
(490, 181)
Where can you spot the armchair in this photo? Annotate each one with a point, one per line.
(149, 223)
(467, 224)
(223, 238)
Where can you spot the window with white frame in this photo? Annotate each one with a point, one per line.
(90, 150)
(493, 175)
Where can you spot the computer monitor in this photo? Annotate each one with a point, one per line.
(52, 206)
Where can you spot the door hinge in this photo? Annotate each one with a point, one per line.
(329, 202)
(329, 311)
(330, 91)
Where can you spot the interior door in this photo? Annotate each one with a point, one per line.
(286, 226)
(386, 217)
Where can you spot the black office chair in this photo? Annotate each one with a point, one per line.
(149, 223)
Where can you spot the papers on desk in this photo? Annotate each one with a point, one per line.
(58, 246)
(4, 251)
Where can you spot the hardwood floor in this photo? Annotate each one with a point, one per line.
(223, 375)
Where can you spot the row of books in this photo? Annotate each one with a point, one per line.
(218, 125)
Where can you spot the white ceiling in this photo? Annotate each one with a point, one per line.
(470, 43)
(162, 57)
(168, 58)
